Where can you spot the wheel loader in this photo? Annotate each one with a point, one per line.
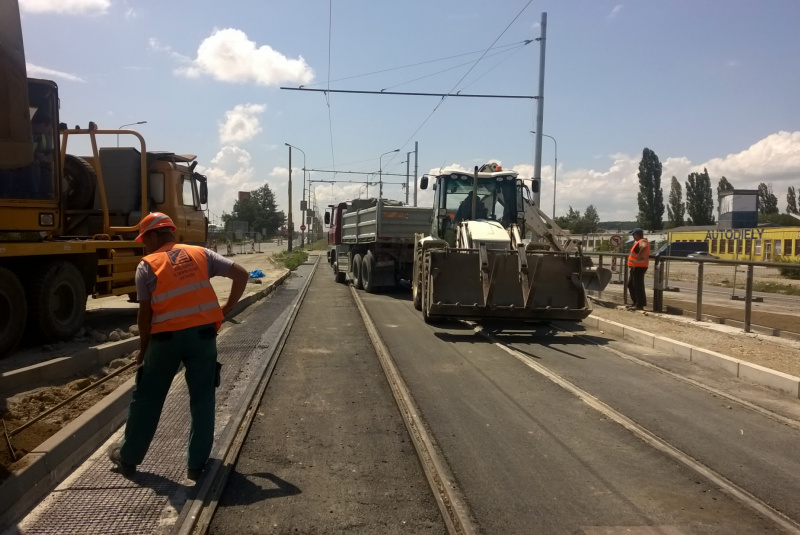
(493, 254)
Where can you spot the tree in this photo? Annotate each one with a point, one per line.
(259, 210)
(575, 223)
(791, 201)
(676, 209)
(767, 201)
(650, 197)
(570, 221)
(699, 199)
(591, 221)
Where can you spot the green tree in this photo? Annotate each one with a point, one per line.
(699, 199)
(650, 197)
(723, 186)
(791, 201)
(570, 221)
(767, 201)
(676, 210)
(590, 219)
(259, 210)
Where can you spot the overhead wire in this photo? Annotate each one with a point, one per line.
(328, 95)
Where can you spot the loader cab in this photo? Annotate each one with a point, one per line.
(499, 198)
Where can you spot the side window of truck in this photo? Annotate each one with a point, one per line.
(188, 192)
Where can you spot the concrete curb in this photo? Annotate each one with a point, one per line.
(49, 463)
(702, 357)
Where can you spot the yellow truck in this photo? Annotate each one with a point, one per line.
(68, 223)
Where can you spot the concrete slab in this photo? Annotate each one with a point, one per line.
(771, 378)
(638, 336)
(672, 346)
(712, 359)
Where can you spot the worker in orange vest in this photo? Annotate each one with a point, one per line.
(179, 316)
(638, 262)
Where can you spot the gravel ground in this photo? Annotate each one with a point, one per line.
(769, 351)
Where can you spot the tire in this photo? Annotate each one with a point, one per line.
(357, 272)
(426, 295)
(367, 272)
(80, 181)
(12, 311)
(416, 286)
(57, 301)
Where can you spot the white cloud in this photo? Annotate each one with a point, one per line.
(70, 7)
(229, 56)
(775, 159)
(35, 71)
(241, 123)
(229, 172)
(615, 11)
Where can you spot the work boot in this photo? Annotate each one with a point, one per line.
(127, 470)
(194, 473)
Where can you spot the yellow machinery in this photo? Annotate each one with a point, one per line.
(492, 253)
(67, 223)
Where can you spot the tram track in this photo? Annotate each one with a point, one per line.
(733, 490)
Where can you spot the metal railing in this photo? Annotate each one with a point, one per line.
(714, 276)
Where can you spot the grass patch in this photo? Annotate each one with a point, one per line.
(775, 288)
(319, 245)
(292, 259)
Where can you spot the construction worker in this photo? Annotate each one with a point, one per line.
(179, 316)
(638, 262)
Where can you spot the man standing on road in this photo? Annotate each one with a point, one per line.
(638, 261)
(179, 316)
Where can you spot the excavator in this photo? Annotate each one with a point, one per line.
(491, 253)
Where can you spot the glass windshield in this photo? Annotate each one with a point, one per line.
(496, 199)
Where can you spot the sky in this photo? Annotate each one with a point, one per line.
(711, 84)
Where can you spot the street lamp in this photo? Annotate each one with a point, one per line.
(129, 124)
(380, 172)
(555, 172)
(303, 202)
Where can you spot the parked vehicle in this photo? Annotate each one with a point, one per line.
(681, 248)
(371, 241)
(703, 255)
(491, 252)
(68, 223)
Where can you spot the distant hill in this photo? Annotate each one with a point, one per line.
(617, 226)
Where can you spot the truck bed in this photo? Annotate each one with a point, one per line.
(384, 223)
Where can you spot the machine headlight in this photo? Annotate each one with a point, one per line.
(47, 220)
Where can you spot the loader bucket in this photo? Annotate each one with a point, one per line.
(537, 287)
(596, 279)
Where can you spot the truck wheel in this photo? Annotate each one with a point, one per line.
(367, 272)
(357, 272)
(12, 311)
(57, 301)
(416, 283)
(80, 180)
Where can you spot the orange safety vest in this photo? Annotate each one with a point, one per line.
(183, 297)
(642, 259)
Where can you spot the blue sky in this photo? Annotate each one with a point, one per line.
(710, 84)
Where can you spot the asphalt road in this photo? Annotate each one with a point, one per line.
(328, 452)
(531, 457)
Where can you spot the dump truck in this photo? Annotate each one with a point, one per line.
(68, 223)
(491, 253)
(371, 241)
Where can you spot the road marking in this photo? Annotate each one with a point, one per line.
(730, 488)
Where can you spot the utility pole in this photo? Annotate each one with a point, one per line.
(537, 158)
(408, 168)
(416, 170)
(289, 219)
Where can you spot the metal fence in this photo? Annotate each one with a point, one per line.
(725, 289)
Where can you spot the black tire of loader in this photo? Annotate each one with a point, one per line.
(426, 297)
(13, 311)
(57, 301)
(338, 276)
(80, 181)
(367, 272)
(416, 286)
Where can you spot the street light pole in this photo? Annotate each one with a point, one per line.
(129, 124)
(380, 173)
(555, 172)
(290, 228)
(303, 202)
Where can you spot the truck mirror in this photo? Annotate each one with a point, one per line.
(423, 182)
(327, 218)
(156, 187)
(535, 186)
(203, 193)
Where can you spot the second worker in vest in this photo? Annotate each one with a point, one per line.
(638, 261)
(179, 316)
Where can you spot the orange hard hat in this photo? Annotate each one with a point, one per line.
(153, 221)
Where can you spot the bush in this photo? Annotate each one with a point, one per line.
(292, 259)
(789, 272)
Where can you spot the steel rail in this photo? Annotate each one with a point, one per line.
(196, 515)
(733, 490)
(452, 505)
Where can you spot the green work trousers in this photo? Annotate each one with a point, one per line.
(196, 348)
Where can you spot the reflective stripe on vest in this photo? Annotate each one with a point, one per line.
(642, 259)
(183, 297)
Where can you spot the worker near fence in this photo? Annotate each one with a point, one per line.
(638, 262)
(179, 316)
